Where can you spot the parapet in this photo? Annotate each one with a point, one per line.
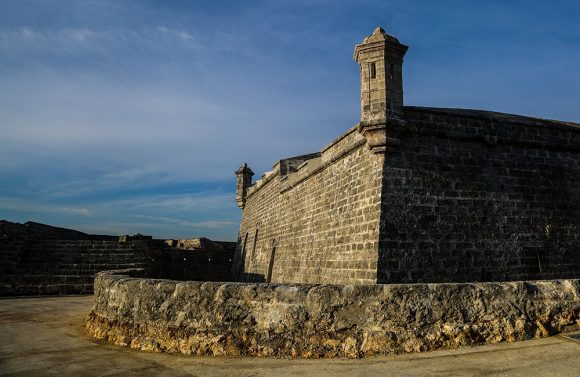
(348, 321)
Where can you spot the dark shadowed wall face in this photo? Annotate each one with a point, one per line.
(472, 196)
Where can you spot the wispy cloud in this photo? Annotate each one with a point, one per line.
(163, 215)
(32, 206)
(191, 224)
(85, 41)
(132, 116)
(181, 34)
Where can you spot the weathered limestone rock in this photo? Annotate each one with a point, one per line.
(311, 321)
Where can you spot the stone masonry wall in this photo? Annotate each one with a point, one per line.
(480, 196)
(318, 224)
(464, 195)
(192, 259)
(300, 320)
(38, 259)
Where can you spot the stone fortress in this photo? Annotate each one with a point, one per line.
(469, 206)
(479, 211)
(414, 194)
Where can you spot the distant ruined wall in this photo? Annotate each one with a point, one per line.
(38, 259)
(191, 259)
(317, 224)
(311, 321)
(478, 196)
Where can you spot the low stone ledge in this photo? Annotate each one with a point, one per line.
(311, 321)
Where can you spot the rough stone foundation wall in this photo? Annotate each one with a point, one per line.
(479, 196)
(317, 224)
(300, 320)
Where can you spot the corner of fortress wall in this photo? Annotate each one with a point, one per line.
(318, 223)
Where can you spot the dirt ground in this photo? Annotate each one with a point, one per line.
(45, 337)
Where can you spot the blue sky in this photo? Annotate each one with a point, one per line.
(120, 117)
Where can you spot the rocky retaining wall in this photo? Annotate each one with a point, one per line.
(300, 320)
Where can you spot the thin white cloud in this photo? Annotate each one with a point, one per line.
(83, 40)
(210, 214)
(77, 211)
(80, 35)
(27, 205)
(217, 224)
(184, 35)
(50, 41)
(155, 229)
(208, 202)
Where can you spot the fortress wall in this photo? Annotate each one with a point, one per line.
(261, 213)
(474, 197)
(329, 223)
(37, 261)
(190, 259)
(13, 238)
(299, 320)
(321, 225)
(67, 266)
(334, 150)
(203, 265)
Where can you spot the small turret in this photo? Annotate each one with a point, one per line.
(243, 181)
(380, 58)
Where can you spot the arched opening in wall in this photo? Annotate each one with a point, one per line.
(271, 264)
(254, 247)
(373, 70)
